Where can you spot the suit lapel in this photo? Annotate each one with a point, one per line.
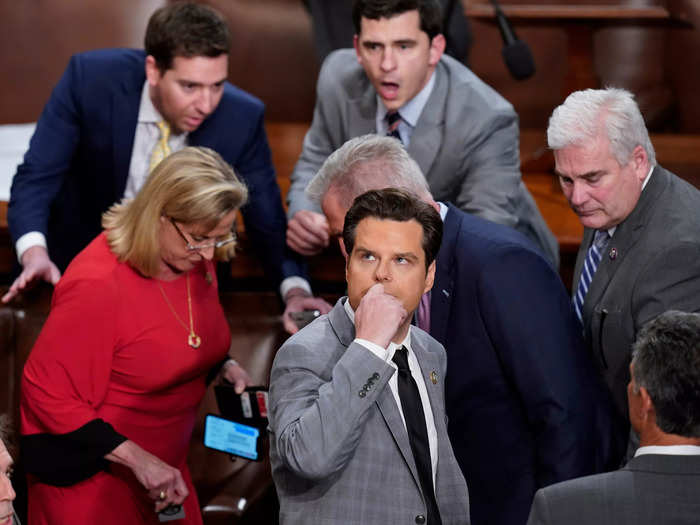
(441, 296)
(125, 111)
(362, 113)
(392, 417)
(426, 138)
(626, 236)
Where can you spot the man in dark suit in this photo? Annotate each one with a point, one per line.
(100, 134)
(357, 410)
(662, 482)
(396, 81)
(524, 404)
(640, 254)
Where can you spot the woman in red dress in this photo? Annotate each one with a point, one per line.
(111, 389)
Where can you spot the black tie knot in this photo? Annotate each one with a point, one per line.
(401, 359)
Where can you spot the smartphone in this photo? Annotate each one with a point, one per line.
(233, 438)
(249, 407)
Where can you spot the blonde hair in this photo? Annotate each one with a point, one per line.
(193, 185)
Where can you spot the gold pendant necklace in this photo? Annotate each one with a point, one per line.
(192, 338)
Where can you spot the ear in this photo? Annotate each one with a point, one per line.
(152, 72)
(429, 277)
(341, 243)
(437, 48)
(640, 163)
(648, 413)
(356, 45)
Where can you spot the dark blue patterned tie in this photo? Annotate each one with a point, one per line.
(590, 265)
(393, 119)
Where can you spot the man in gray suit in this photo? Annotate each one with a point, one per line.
(640, 254)
(462, 134)
(357, 419)
(662, 482)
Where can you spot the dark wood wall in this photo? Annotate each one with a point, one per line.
(273, 56)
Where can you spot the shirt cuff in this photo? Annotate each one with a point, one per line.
(293, 282)
(381, 353)
(28, 240)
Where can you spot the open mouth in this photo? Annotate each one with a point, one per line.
(389, 90)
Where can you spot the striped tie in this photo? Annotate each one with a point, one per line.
(600, 241)
(393, 119)
(162, 148)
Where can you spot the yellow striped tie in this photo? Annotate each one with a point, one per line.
(162, 148)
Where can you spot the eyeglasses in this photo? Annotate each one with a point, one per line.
(205, 245)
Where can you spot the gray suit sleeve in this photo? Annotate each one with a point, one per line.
(490, 181)
(539, 513)
(318, 409)
(318, 144)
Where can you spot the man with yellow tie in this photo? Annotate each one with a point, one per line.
(113, 115)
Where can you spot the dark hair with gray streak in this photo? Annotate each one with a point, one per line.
(666, 361)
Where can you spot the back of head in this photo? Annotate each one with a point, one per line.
(396, 205)
(6, 434)
(586, 114)
(191, 186)
(429, 11)
(666, 362)
(366, 163)
(187, 30)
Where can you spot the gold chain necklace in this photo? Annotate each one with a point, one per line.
(192, 338)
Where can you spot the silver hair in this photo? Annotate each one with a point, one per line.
(367, 163)
(583, 114)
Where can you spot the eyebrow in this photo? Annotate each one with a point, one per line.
(407, 255)
(196, 83)
(581, 176)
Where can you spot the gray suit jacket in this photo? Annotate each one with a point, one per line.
(652, 489)
(465, 142)
(338, 447)
(651, 264)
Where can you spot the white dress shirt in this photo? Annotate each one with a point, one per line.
(386, 354)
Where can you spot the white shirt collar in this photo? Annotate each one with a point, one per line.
(147, 111)
(411, 110)
(443, 211)
(675, 450)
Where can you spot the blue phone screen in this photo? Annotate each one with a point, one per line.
(229, 436)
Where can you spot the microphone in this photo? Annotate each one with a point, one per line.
(516, 53)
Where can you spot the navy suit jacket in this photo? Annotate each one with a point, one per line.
(525, 405)
(78, 159)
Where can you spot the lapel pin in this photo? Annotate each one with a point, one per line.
(613, 254)
(447, 294)
(209, 278)
(434, 377)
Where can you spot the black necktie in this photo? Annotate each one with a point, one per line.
(393, 119)
(417, 432)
